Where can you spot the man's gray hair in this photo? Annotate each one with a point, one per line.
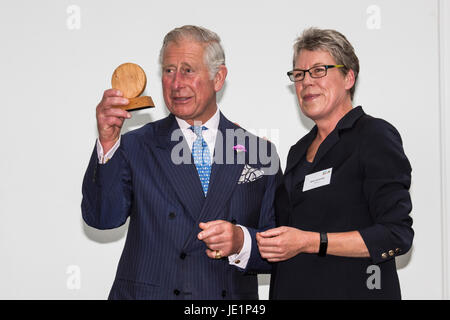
(335, 43)
(214, 54)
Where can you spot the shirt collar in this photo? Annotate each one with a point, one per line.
(211, 124)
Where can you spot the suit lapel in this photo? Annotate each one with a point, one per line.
(183, 176)
(224, 177)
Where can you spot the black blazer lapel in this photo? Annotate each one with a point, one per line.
(325, 147)
(298, 150)
(346, 122)
(296, 154)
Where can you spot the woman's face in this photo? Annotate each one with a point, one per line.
(321, 98)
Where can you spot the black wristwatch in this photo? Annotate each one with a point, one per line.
(323, 244)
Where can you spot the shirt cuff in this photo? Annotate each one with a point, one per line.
(102, 159)
(240, 259)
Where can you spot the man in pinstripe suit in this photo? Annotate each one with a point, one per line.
(192, 225)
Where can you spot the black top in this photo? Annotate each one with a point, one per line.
(301, 170)
(368, 192)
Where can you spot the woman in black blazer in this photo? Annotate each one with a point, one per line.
(343, 208)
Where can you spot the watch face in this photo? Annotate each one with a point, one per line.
(130, 79)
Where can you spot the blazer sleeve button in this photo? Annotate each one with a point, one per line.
(176, 292)
(391, 253)
(384, 255)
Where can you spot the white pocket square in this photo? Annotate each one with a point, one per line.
(250, 174)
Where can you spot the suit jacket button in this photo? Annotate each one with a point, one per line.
(233, 221)
(391, 253)
(176, 292)
(182, 255)
(172, 215)
(384, 255)
(224, 293)
(397, 250)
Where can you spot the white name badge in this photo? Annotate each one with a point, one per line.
(317, 179)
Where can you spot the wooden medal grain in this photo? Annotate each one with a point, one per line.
(131, 80)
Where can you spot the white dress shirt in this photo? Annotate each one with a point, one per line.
(240, 259)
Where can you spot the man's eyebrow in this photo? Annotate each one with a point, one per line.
(184, 64)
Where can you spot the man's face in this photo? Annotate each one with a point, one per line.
(189, 93)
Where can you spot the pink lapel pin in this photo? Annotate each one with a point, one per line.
(239, 148)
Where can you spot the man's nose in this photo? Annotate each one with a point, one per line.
(177, 80)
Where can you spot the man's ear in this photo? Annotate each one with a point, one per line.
(219, 78)
(349, 79)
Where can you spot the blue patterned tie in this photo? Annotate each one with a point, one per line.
(202, 158)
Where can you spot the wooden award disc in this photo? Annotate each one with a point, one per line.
(130, 79)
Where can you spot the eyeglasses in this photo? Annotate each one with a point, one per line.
(315, 72)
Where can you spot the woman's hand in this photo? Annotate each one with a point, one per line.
(283, 243)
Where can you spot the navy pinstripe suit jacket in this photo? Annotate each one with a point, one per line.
(162, 257)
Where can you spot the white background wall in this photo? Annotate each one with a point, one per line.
(57, 58)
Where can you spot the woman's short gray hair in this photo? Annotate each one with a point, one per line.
(214, 54)
(335, 43)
